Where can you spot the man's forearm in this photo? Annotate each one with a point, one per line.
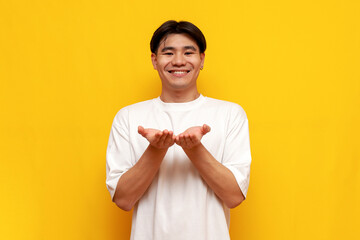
(219, 178)
(133, 184)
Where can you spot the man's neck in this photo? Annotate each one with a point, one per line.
(179, 96)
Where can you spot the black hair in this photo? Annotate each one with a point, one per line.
(174, 27)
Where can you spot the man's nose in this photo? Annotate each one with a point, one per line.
(178, 60)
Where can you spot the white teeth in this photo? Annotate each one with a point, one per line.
(180, 72)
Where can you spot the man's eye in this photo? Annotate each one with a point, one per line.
(168, 53)
(188, 53)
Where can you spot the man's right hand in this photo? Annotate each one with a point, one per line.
(158, 139)
(133, 183)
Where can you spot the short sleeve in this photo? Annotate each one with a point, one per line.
(118, 153)
(237, 155)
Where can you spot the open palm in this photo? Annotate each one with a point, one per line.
(192, 136)
(159, 139)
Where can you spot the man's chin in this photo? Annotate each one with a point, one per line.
(180, 86)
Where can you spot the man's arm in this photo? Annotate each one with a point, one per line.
(219, 178)
(133, 184)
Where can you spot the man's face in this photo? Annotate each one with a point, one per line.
(178, 62)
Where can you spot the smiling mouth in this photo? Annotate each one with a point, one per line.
(179, 71)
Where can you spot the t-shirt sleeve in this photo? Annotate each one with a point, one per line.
(237, 155)
(118, 153)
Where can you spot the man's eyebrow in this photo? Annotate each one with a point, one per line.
(172, 48)
(167, 49)
(190, 48)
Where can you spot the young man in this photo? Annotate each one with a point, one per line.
(180, 160)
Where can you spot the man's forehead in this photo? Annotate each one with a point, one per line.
(171, 41)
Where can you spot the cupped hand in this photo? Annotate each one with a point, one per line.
(192, 136)
(158, 139)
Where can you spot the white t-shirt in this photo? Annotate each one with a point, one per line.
(179, 204)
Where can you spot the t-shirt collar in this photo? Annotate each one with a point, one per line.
(184, 106)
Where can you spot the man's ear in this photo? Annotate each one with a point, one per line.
(154, 60)
(202, 57)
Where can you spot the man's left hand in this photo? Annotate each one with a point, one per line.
(192, 136)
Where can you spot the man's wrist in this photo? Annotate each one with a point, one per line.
(195, 150)
(155, 150)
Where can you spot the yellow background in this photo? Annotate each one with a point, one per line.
(67, 67)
